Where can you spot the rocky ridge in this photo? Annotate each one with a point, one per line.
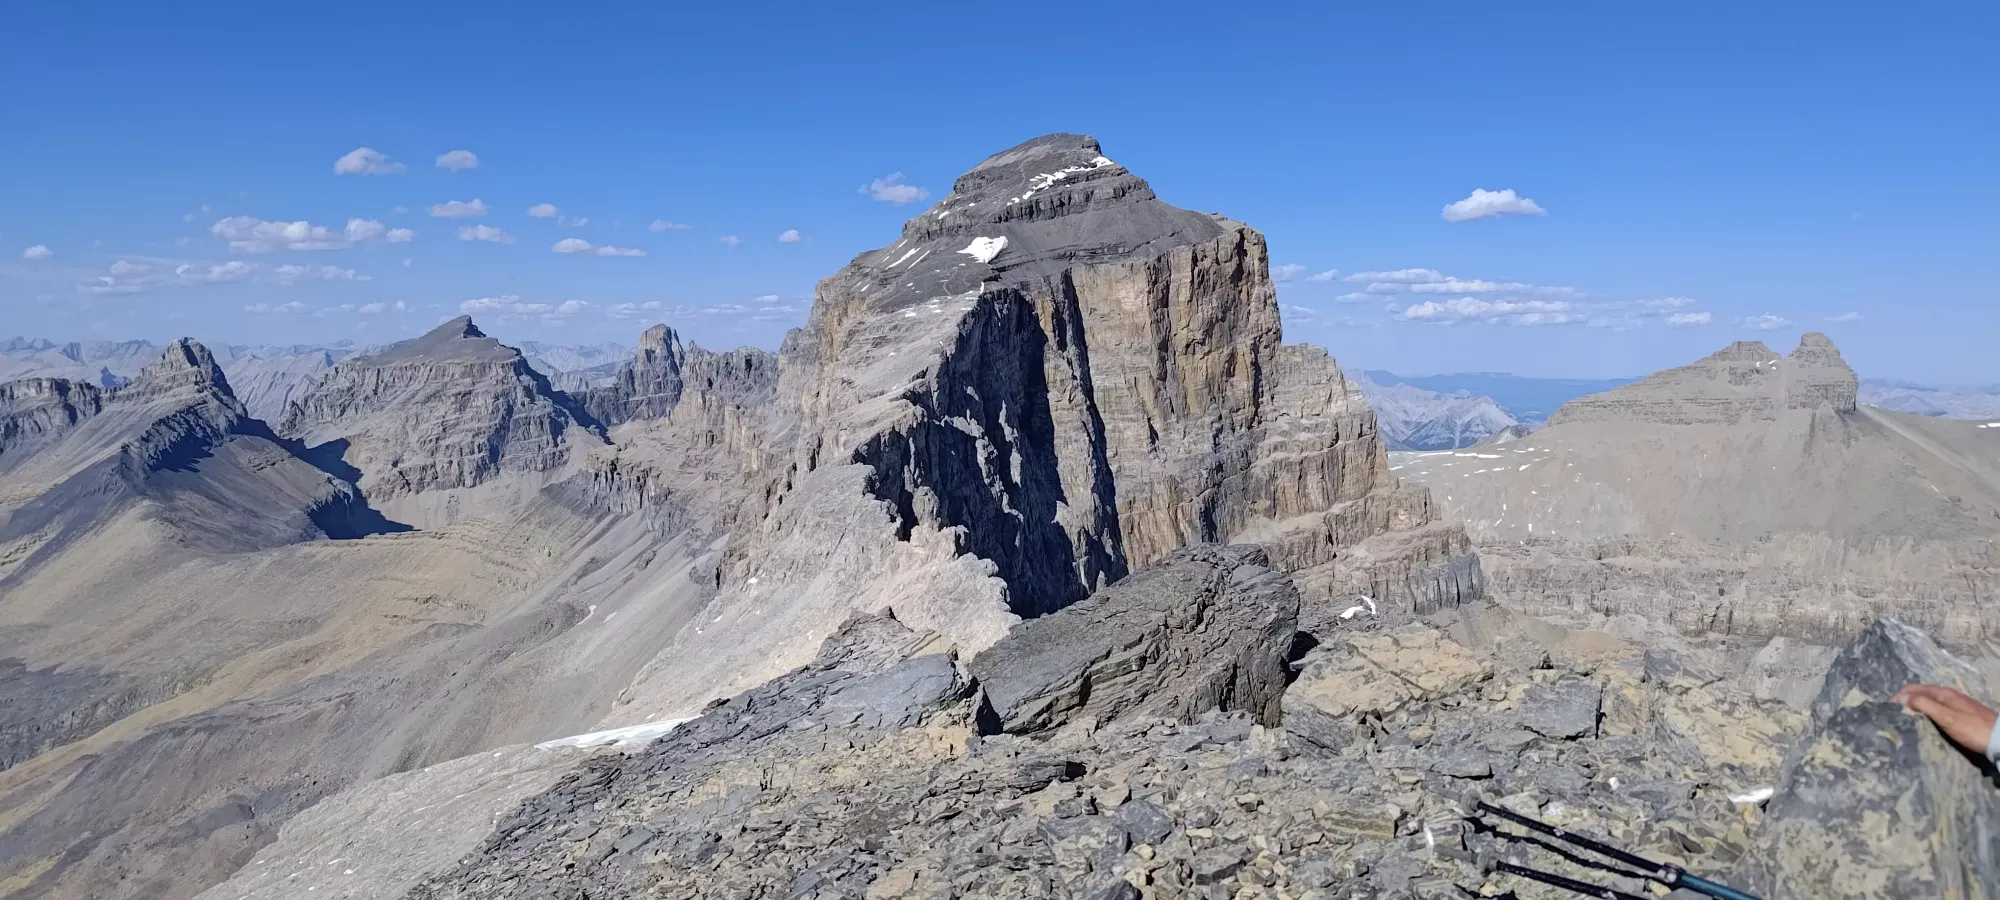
(451, 409)
(1413, 418)
(1745, 494)
(884, 770)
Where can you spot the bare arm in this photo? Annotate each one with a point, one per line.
(1967, 722)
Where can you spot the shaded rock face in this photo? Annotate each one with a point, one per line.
(1744, 381)
(451, 409)
(1206, 628)
(1874, 802)
(664, 374)
(35, 411)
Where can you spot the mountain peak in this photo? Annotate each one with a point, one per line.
(185, 363)
(456, 339)
(1743, 381)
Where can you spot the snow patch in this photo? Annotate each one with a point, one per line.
(1358, 609)
(905, 257)
(985, 248)
(1757, 796)
(629, 736)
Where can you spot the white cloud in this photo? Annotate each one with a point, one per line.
(365, 161)
(37, 252)
(126, 267)
(1473, 309)
(289, 274)
(1286, 272)
(579, 245)
(1400, 276)
(484, 233)
(1667, 303)
(1845, 317)
(1355, 297)
(632, 310)
(398, 209)
(1685, 320)
(1483, 203)
(664, 225)
(544, 211)
(511, 308)
(400, 236)
(293, 308)
(891, 189)
(459, 209)
(1765, 322)
(791, 236)
(369, 309)
(247, 234)
(1456, 286)
(572, 223)
(1327, 275)
(731, 240)
(458, 160)
(363, 229)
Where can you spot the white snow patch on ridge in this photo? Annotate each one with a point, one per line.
(985, 248)
(629, 736)
(1047, 180)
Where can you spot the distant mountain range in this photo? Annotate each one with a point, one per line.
(1952, 402)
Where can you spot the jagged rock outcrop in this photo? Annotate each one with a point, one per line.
(1874, 803)
(664, 374)
(1746, 494)
(1741, 382)
(451, 409)
(1206, 628)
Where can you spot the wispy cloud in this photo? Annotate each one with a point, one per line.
(459, 209)
(376, 309)
(458, 160)
(290, 274)
(891, 189)
(247, 234)
(485, 233)
(37, 253)
(1286, 272)
(1845, 317)
(790, 236)
(1690, 320)
(365, 161)
(579, 245)
(294, 308)
(1483, 203)
(544, 211)
(510, 308)
(1505, 312)
(664, 225)
(1327, 275)
(731, 240)
(1765, 322)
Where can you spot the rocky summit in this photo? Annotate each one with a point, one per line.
(1036, 564)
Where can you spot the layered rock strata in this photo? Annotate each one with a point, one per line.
(1746, 494)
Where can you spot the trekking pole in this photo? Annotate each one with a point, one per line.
(1670, 875)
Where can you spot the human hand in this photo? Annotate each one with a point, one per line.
(1966, 721)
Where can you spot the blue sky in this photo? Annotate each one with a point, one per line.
(1769, 167)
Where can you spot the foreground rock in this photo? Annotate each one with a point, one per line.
(865, 775)
(1874, 802)
(1746, 494)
